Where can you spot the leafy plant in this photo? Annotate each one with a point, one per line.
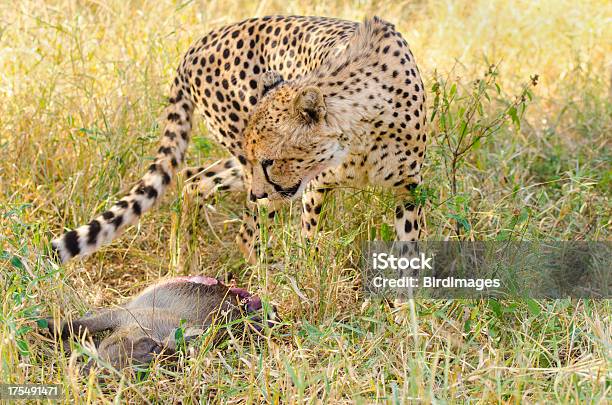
(465, 117)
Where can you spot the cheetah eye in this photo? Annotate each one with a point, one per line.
(267, 162)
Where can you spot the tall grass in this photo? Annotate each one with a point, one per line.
(82, 85)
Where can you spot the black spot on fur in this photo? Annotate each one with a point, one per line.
(409, 206)
(94, 230)
(408, 226)
(71, 241)
(166, 150)
(165, 178)
(117, 222)
(136, 208)
(151, 192)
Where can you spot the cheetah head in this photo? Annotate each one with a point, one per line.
(288, 141)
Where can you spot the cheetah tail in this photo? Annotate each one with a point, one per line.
(103, 229)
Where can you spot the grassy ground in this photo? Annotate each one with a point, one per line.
(82, 85)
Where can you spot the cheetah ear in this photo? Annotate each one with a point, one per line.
(269, 80)
(309, 104)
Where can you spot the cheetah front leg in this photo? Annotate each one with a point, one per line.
(409, 219)
(247, 238)
(409, 222)
(249, 235)
(312, 202)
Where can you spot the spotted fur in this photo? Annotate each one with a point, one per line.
(304, 104)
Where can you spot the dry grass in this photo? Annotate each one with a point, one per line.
(82, 85)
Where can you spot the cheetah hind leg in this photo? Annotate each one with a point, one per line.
(409, 223)
(249, 236)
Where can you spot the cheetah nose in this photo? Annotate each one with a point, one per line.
(254, 197)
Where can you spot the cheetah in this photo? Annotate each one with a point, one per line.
(304, 105)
